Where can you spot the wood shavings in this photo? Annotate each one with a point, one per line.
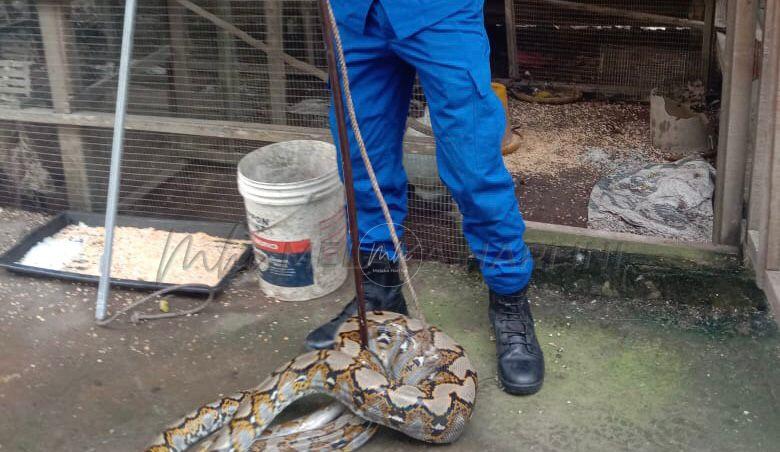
(556, 136)
(145, 254)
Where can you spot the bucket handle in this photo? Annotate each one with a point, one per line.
(309, 198)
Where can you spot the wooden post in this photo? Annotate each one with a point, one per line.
(734, 124)
(511, 38)
(277, 79)
(771, 229)
(177, 28)
(228, 64)
(764, 130)
(56, 35)
(771, 232)
(708, 34)
(309, 17)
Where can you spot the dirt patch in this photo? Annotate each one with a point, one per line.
(555, 168)
(560, 199)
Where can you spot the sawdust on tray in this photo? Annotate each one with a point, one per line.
(555, 137)
(141, 254)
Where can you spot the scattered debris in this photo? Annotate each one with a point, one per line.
(555, 136)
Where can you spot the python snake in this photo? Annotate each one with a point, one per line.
(412, 377)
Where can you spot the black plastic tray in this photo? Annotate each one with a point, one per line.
(10, 259)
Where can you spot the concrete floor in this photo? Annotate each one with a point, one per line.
(623, 373)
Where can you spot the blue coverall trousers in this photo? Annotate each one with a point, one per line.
(451, 58)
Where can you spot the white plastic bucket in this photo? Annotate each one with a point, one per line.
(295, 213)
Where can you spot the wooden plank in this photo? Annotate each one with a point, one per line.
(772, 291)
(735, 123)
(763, 139)
(195, 127)
(511, 38)
(277, 78)
(720, 50)
(700, 254)
(228, 64)
(310, 30)
(708, 35)
(56, 33)
(771, 232)
(182, 83)
(302, 66)
(625, 13)
(158, 57)
(154, 181)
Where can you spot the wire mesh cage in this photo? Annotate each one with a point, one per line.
(211, 80)
(627, 47)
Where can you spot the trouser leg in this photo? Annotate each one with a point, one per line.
(381, 86)
(452, 60)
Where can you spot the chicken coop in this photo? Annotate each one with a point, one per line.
(624, 48)
(212, 80)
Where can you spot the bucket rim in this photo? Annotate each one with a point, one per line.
(301, 183)
(319, 180)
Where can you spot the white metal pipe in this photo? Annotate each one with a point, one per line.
(117, 147)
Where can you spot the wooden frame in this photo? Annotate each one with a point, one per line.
(54, 32)
(734, 123)
(511, 38)
(195, 127)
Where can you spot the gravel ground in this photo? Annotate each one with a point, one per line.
(555, 137)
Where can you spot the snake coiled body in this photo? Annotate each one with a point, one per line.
(412, 378)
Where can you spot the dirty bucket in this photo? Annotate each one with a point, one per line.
(295, 213)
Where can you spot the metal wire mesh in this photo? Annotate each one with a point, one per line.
(211, 80)
(626, 47)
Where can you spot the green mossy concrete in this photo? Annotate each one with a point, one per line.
(617, 379)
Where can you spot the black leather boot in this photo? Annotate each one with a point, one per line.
(520, 358)
(382, 285)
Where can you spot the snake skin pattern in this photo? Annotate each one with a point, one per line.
(412, 378)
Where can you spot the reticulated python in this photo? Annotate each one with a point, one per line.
(412, 378)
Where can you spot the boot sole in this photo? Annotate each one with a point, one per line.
(522, 390)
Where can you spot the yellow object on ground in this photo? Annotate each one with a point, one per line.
(511, 142)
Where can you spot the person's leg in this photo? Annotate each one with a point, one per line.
(381, 87)
(452, 60)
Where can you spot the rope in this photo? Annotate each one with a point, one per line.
(415, 305)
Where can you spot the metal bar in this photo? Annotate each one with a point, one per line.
(346, 166)
(116, 158)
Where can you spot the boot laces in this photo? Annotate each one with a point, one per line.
(516, 322)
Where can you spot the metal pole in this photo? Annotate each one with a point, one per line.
(116, 157)
(346, 166)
